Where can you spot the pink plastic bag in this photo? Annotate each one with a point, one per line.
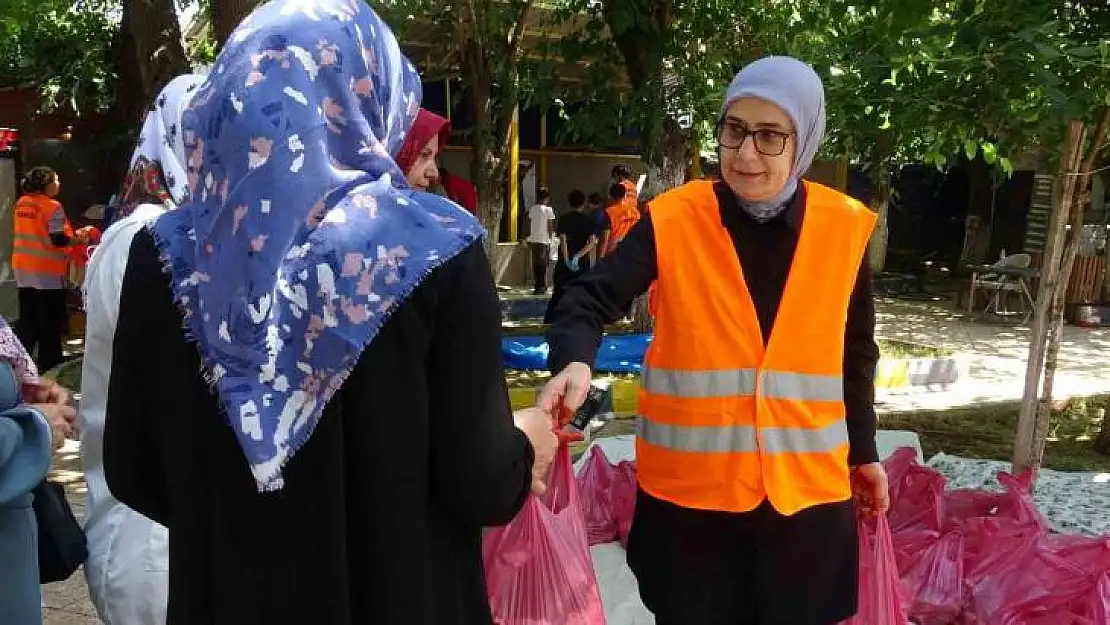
(936, 581)
(910, 546)
(1015, 503)
(624, 500)
(595, 487)
(916, 493)
(1095, 607)
(538, 567)
(882, 597)
(1033, 585)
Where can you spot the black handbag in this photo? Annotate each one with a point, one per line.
(62, 547)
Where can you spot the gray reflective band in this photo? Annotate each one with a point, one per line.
(742, 438)
(742, 382)
(720, 439)
(782, 385)
(800, 441)
(700, 384)
(50, 252)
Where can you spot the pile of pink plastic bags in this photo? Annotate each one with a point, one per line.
(962, 557)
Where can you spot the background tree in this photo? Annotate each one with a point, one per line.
(660, 68)
(226, 15)
(152, 53)
(484, 40)
(64, 49)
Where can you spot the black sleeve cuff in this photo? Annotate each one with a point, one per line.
(862, 448)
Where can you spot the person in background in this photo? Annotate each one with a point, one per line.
(266, 436)
(40, 260)
(29, 433)
(419, 155)
(459, 190)
(758, 424)
(128, 566)
(541, 231)
(577, 239)
(417, 158)
(622, 211)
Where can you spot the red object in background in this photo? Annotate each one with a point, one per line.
(460, 191)
(80, 254)
(8, 136)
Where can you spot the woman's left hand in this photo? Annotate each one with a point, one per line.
(870, 489)
(45, 392)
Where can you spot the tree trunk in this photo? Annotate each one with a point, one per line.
(880, 205)
(1033, 420)
(1059, 258)
(1102, 443)
(226, 15)
(156, 43)
(668, 169)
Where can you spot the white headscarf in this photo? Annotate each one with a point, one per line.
(158, 174)
(794, 87)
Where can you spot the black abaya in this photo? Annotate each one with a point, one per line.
(381, 514)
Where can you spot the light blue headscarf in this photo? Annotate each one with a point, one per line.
(300, 238)
(794, 87)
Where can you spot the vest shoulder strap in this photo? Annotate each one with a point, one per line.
(831, 199)
(678, 202)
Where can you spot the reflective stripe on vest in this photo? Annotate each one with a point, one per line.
(744, 438)
(33, 245)
(742, 382)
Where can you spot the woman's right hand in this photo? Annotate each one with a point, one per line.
(538, 426)
(565, 393)
(61, 418)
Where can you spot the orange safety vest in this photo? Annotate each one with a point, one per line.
(728, 421)
(32, 250)
(623, 216)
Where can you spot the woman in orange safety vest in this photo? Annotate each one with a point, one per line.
(756, 447)
(40, 259)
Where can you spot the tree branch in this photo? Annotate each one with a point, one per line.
(1096, 142)
(472, 17)
(518, 29)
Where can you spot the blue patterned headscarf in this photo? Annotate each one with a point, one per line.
(300, 237)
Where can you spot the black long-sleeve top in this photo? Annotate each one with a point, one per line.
(381, 514)
(766, 251)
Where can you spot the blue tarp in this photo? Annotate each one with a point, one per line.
(621, 353)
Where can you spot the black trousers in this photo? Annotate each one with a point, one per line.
(541, 257)
(41, 325)
(697, 567)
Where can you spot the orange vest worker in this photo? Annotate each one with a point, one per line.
(32, 251)
(729, 421)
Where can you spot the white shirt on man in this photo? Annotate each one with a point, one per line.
(540, 218)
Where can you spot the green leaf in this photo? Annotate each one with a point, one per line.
(1006, 165)
(990, 153)
(1084, 52)
(1047, 51)
(971, 149)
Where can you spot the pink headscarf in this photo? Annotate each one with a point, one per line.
(12, 351)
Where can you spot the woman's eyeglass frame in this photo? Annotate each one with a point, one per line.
(758, 136)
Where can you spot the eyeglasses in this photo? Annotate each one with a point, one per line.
(732, 135)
